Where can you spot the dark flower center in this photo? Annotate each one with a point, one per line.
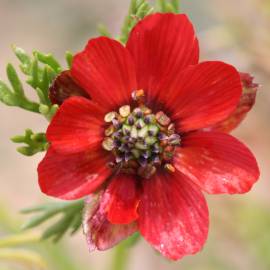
(140, 140)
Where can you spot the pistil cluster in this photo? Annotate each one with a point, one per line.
(140, 140)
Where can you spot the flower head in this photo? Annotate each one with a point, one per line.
(142, 144)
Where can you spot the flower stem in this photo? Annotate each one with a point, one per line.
(120, 257)
(121, 252)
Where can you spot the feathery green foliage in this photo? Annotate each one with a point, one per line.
(70, 220)
(138, 10)
(168, 6)
(40, 70)
(35, 143)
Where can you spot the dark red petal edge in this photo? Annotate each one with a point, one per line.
(64, 87)
(100, 233)
(246, 103)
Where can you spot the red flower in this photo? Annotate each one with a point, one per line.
(145, 155)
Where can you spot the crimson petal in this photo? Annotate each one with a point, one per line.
(123, 199)
(162, 45)
(202, 95)
(77, 126)
(217, 162)
(106, 71)
(173, 215)
(73, 176)
(100, 233)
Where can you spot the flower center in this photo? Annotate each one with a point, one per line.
(140, 140)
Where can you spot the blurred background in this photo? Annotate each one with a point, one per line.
(237, 32)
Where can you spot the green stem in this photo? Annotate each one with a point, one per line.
(120, 257)
(121, 252)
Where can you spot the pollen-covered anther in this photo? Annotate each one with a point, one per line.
(169, 167)
(140, 140)
(138, 96)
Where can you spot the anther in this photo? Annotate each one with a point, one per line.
(109, 131)
(171, 129)
(108, 144)
(163, 119)
(124, 110)
(116, 123)
(174, 139)
(110, 116)
(169, 167)
(138, 95)
(147, 171)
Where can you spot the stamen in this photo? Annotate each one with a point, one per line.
(108, 144)
(140, 140)
(124, 111)
(138, 95)
(110, 116)
(163, 119)
(169, 167)
(109, 131)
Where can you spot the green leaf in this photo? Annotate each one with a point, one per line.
(15, 81)
(49, 60)
(24, 58)
(168, 6)
(6, 96)
(138, 10)
(40, 70)
(102, 29)
(71, 218)
(69, 58)
(161, 5)
(16, 96)
(176, 5)
(34, 143)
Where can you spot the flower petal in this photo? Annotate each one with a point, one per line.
(64, 87)
(106, 71)
(100, 233)
(162, 45)
(245, 104)
(123, 199)
(202, 95)
(217, 162)
(77, 126)
(73, 176)
(173, 215)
